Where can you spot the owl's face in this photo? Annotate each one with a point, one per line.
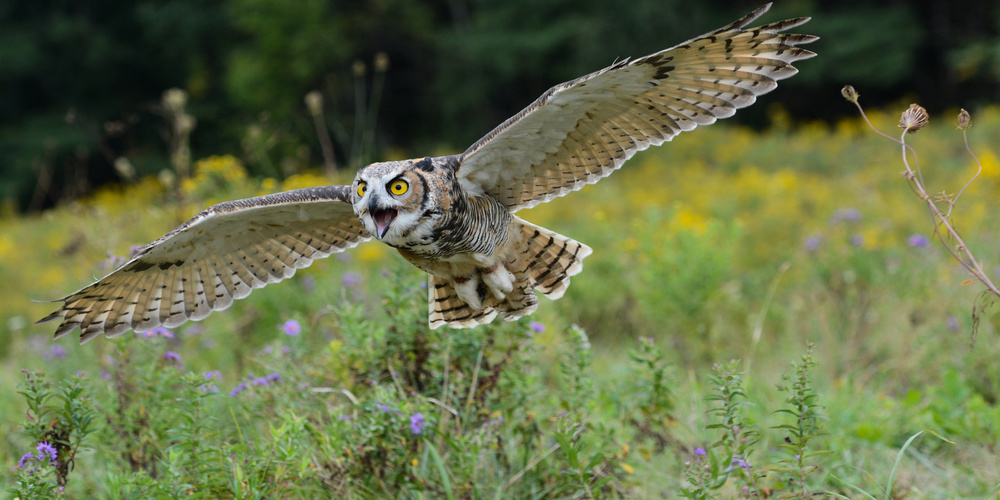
(387, 199)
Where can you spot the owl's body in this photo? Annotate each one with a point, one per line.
(452, 216)
(482, 260)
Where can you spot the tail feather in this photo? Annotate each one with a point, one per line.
(551, 258)
(543, 260)
(447, 309)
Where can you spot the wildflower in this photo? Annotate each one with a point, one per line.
(493, 422)
(274, 377)
(850, 94)
(23, 462)
(964, 120)
(171, 356)
(384, 408)
(913, 119)
(381, 62)
(291, 328)
(739, 462)
(699, 451)
(417, 423)
(536, 327)
(56, 351)
(237, 390)
(350, 279)
(953, 323)
(812, 243)
(845, 214)
(857, 240)
(213, 374)
(163, 332)
(314, 102)
(918, 241)
(309, 283)
(46, 450)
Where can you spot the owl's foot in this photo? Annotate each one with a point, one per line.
(499, 280)
(467, 289)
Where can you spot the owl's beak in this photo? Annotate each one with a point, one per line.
(382, 216)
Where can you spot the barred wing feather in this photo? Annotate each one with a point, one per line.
(580, 131)
(218, 256)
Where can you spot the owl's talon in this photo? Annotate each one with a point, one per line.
(467, 289)
(499, 280)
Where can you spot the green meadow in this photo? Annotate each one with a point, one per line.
(765, 315)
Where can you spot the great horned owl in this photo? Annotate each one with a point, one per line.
(451, 216)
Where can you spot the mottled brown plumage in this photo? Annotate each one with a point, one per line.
(452, 216)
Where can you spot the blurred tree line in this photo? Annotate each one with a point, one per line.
(82, 82)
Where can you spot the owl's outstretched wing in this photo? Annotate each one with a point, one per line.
(218, 256)
(581, 131)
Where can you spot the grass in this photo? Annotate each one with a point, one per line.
(727, 244)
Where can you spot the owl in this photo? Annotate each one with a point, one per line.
(451, 216)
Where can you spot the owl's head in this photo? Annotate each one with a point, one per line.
(389, 199)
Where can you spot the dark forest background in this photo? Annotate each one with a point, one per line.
(82, 81)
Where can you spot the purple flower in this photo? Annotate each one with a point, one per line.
(274, 377)
(953, 323)
(286, 349)
(24, 460)
(812, 243)
(291, 328)
(237, 390)
(309, 283)
(212, 374)
(46, 450)
(846, 214)
(350, 279)
(857, 240)
(917, 240)
(56, 351)
(384, 408)
(739, 462)
(417, 423)
(171, 356)
(260, 381)
(699, 451)
(536, 326)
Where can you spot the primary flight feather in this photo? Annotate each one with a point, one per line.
(451, 216)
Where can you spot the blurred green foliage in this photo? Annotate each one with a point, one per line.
(81, 80)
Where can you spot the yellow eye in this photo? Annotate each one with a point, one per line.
(398, 187)
(362, 187)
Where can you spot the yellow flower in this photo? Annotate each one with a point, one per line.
(370, 252)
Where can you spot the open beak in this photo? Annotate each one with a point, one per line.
(382, 217)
